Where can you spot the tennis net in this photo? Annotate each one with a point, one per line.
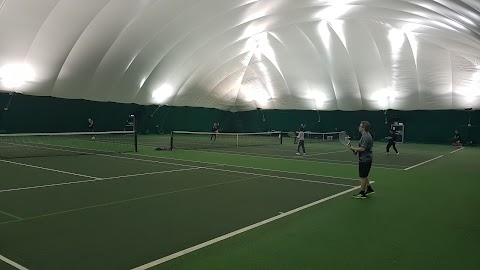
(205, 140)
(64, 144)
(318, 137)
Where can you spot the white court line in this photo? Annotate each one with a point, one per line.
(184, 165)
(130, 200)
(151, 173)
(270, 147)
(96, 180)
(156, 195)
(146, 160)
(47, 169)
(105, 155)
(94, 154)
(224, 170)
(414, 166)
(113, 156)
(457, 150)
(91, 153)
(240, 172)
(49, 148)
(281, 177)
(12, 263)
(10, 215)
(246, 167)
(237, 232)
(325, 153)
(171, 171)
(339, 162)
(169, 163)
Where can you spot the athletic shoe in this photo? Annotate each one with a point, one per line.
(304, 154)
(398, 153)
(369, 191)
(298, 153)
(387, 153)
(360, 195)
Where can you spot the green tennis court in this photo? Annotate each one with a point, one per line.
(100, 206)
(326, 152)
(239, 134)
(108, 210)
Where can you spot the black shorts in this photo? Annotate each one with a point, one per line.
(364, 169)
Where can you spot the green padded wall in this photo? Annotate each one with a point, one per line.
(47, 114)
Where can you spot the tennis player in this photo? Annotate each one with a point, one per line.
(457, 139)
(392, 141)
(365, 159)
(90, 126)
(301, 141)
(213, 137)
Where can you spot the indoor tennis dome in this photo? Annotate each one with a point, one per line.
(240, 55)
(239, 134)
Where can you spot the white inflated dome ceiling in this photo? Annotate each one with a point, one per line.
(240, 55)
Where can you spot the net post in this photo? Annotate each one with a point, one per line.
(281, 137)
(135, 140)
(237, 141)
(171, 140)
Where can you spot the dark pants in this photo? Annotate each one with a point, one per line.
(213, 137)
(364, 169)
(390, 145)
(302, 144)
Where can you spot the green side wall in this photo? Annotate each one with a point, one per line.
(47, 114)
(420, 126)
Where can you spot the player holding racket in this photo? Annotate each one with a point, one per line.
(213, 137)
(365, 159)
(90, 127)
(345, 140)
(301, 141)
(392, 141)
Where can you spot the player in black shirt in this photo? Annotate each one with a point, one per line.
(90, 127)
(392, 141)
(90, 124)
(213, 137)
(457, 139)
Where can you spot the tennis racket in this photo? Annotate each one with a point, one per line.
(345, 140)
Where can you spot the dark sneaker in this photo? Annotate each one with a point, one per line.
(360, 195)
(369, 191)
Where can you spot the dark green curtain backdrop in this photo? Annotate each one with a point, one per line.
(47, 114)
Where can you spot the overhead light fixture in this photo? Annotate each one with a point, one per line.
(385, 97)
(15, 75)
(162, 94)
(397, 38)
(318, 97)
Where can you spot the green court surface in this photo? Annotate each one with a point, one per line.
(259, 207)
(6, 266)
